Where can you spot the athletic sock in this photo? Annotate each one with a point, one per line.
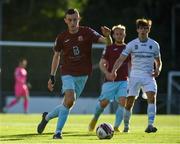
(151, 111)
(98, 111)
(62, 117)
(127, 115)
(54, 113)
(119, 116)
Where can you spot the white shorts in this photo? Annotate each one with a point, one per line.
(145, 83)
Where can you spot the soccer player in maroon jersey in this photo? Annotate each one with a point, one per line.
(74, 45)
(117, 89)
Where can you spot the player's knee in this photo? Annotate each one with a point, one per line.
(151, 97)
(69, 103)
(69, 99)
(130, 103)
(104, 103)
(122, 101)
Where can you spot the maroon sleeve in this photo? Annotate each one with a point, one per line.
(94, 35)
(58, 44)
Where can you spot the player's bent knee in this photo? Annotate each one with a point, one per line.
(152, 100)
(130, 102)
(69, 104)
(122, 101)
(151, 97)
(69, 101)
(104, 103)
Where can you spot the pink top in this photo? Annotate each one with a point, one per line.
(20, 76)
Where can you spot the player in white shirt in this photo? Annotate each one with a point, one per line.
(145, 52)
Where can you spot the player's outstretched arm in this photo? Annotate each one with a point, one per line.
(54, 66)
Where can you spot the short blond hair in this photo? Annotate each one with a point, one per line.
(122, 27)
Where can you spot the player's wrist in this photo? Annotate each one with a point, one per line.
(52, 78)
(105, 71)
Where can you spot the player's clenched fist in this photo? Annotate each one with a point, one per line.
(106, 31)
(51, 83)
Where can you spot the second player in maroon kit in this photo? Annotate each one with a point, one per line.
(117, 89)
(111, 54)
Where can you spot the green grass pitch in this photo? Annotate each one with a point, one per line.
(21, 129)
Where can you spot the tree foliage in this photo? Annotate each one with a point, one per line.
(35, 20)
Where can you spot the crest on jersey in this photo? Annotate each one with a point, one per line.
(115, 49)
(150, 47)
(80, 38)
(136, 47)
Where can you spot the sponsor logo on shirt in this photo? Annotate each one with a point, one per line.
(143, 56)
(80, 38)
(136, 47)
(66, 40)
(115, 49)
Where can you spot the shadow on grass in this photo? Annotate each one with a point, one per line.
(18, 137)
(78, 134)
(11, 139)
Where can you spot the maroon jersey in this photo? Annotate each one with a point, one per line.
(111, 54)
(76, 51)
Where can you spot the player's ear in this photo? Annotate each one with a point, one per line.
(79, 18)
(137, 30)
(65, 20)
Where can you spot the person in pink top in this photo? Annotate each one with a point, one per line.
(20, 87)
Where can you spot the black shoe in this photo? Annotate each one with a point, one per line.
(42, 124)
(57, 136)
(126, 130)
(151, 129)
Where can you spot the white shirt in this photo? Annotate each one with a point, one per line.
(143, 55)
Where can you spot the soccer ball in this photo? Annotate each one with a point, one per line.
(105, 131)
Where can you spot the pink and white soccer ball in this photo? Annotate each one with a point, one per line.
(105, 131)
